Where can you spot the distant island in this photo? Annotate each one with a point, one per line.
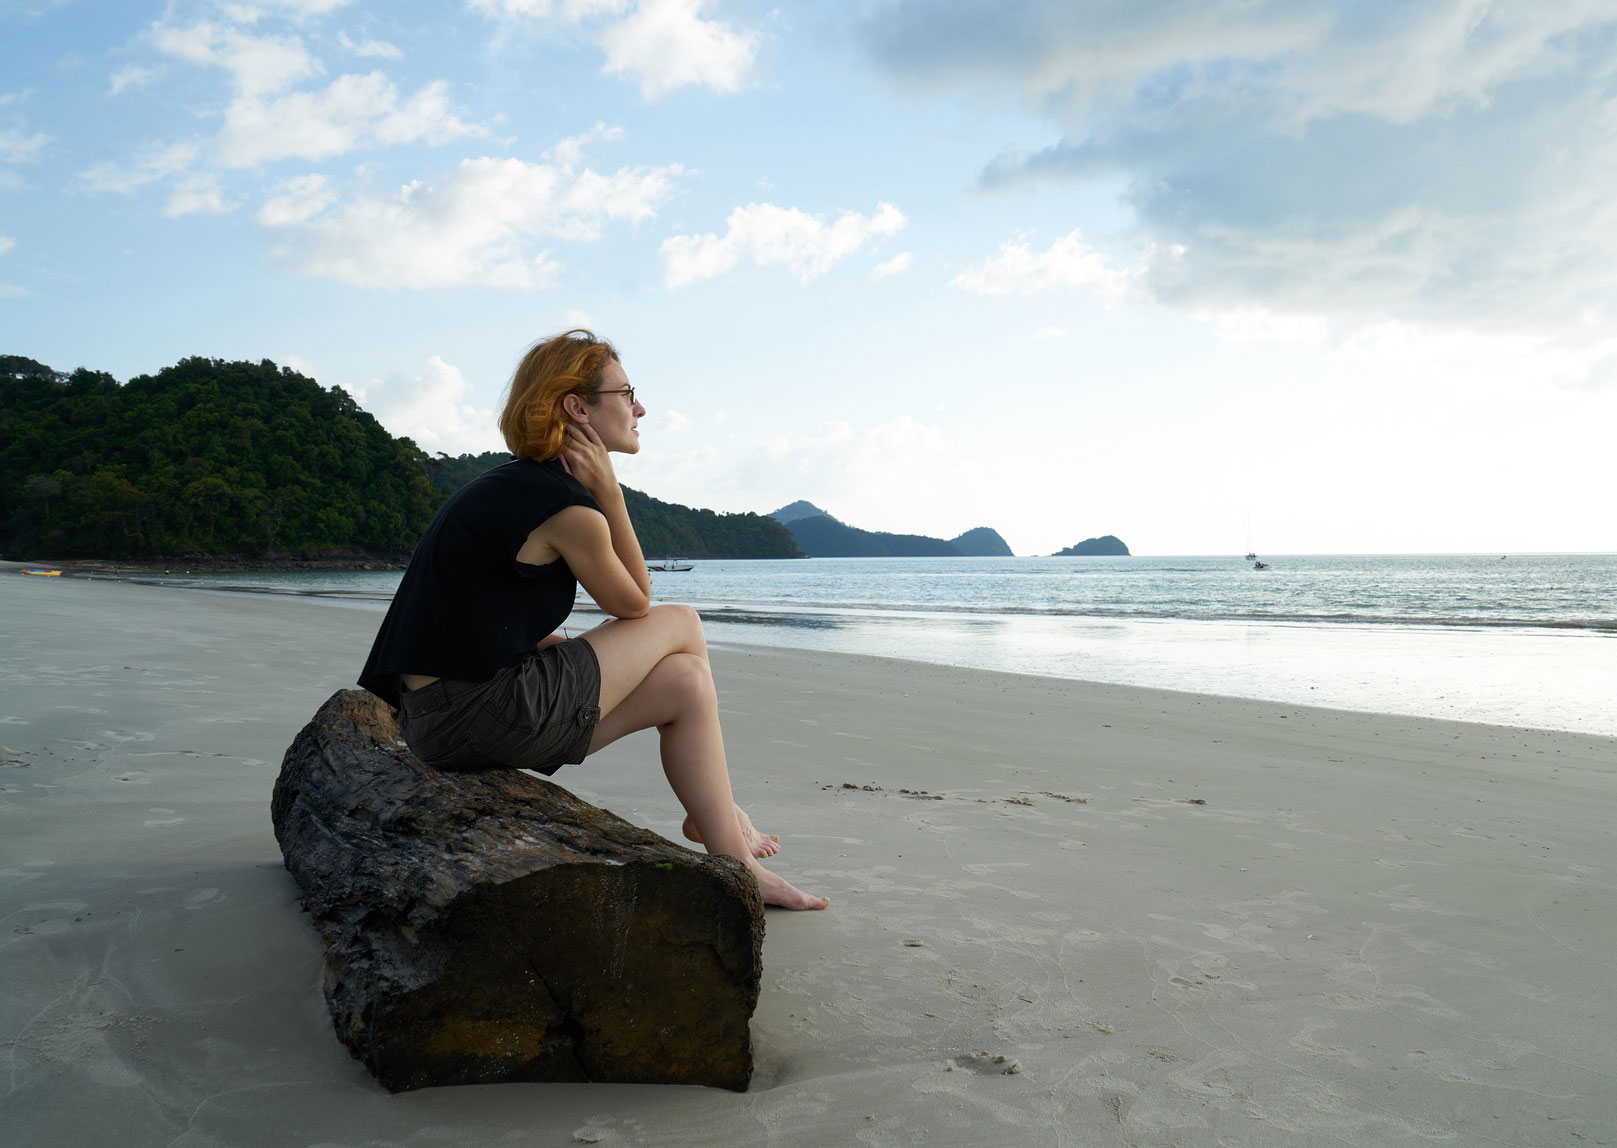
(1106, 546)
(819, 535)
(226, 462)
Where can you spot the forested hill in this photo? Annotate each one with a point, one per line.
(209, 457)
(204, 457)
(665, 529)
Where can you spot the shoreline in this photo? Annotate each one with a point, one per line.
(1551, 678)
(218, 563)
(1186, 919)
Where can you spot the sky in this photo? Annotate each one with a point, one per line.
(1297, 275)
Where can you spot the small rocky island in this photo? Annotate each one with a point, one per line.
(1106, 546)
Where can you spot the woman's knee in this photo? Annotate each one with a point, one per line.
(685, 678)
(684, 623)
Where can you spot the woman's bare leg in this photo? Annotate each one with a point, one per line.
(672, 629)
(655, 674)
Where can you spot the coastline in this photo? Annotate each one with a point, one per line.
(1187, 919)
(1552, 672)
(221, 563)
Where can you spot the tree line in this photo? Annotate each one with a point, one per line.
(239, 459)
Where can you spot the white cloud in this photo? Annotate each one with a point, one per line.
(9, 290)
(476, 225)
(435, 408)
(662, 45)
(881, 477)
(671, 422)
(302, 366)
(131, 76)
(351, 112)
(666, 44)
(380, 49)
(901, 454)
(561, 11)
(197, 195)
(19, 145)
(1016, 269)
(267, 120)
(1252, 323)
(155, 161)
(775, 236)
(1443, 160)
(258, 65)
(835, 433)
(297, 199)
(893, 266)
(249, 11)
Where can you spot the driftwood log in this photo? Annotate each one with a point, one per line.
(493, 927)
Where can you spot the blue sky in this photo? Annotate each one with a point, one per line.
(1342, 270)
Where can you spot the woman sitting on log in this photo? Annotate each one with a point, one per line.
(469, 652)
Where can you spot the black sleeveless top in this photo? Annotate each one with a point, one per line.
(466, 607)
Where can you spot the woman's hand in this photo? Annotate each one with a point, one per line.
(586, 459)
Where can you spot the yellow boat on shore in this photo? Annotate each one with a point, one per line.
(40, 572)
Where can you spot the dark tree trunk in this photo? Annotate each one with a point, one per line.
(492, 927)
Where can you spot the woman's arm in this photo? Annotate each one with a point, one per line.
(600, 548)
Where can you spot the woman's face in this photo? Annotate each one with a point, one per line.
(614, 416)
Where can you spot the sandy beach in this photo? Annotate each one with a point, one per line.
(1063, 913)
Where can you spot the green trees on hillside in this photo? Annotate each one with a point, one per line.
(204, 457)
(665, 529)
(668, 530)
(250, 459)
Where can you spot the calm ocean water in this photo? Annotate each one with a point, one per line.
(1518, 640)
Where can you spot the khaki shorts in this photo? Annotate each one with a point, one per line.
(538, 714)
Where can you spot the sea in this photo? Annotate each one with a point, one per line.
(1513, 639)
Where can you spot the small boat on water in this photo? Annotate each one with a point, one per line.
(40, 572)
(669, 566)
(1260, 566)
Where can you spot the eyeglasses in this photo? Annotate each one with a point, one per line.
(621, 391)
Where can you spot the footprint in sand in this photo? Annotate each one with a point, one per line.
(983, 1064)
(165, 817)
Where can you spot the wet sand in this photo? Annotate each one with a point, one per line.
(1063, 913)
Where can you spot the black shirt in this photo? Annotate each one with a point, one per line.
(466, 607)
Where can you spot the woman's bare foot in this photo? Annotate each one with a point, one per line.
(776, 890)
(761, 844)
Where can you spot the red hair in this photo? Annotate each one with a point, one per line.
(533, 422)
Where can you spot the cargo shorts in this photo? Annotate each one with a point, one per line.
(538, 714)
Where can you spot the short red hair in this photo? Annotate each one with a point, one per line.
(533, 421)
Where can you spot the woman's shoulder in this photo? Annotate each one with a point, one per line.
(532, 477)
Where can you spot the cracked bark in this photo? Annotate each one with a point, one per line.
(493, 927)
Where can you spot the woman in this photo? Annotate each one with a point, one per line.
(469, 652)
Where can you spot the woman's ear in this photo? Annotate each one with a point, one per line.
(575, 408)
